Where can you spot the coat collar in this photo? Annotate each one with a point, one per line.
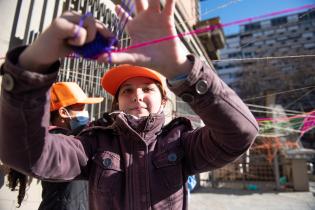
(147, 128)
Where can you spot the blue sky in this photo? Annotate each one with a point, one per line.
(233, 10)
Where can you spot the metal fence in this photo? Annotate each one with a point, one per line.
(32, 16)
(265, 166)
(86, 73)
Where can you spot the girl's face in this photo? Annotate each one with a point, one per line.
(139, 96)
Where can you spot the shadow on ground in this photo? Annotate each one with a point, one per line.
(247, 188)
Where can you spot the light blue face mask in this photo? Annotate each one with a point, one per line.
(81, 118)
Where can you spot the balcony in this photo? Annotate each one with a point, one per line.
(212, 40)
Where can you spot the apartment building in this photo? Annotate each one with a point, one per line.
(272, 55)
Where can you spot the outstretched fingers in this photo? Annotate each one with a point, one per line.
(141, 5)
(169, 7)
(150, 13)
(123, 15)
(154, 5)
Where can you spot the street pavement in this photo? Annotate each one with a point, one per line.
(238, 199)
(8, 199)
(204, 198)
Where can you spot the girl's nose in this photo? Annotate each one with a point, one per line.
(138, 96)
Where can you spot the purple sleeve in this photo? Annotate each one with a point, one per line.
(230, 128)
(25, 143)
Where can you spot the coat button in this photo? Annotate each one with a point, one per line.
(172, 157)
(107, 162)
(201, 87)
(8, 82)
(187, 97)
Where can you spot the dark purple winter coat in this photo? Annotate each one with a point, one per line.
(132, 164)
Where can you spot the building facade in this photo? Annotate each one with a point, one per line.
(272, 56)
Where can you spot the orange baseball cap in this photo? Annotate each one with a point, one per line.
(116, 76)
(64, 94)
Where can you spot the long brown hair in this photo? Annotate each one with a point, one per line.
(19, 179)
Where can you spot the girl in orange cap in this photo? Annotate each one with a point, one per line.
(137, 162)
(138, 91)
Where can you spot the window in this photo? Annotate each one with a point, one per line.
(307, 35)
(271, 41)
(307, 15)
(252, 26)
(279, 21)
(309, 45)
(258, 34)
(269, 32)
(234, 55)
(248, 54)
(293, 28)
(246, 36)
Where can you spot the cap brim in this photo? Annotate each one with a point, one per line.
(116, 76)
(91, 100)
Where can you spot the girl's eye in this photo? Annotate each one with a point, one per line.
(126, 91)
(148, 89)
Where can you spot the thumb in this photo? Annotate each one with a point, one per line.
(123, 58)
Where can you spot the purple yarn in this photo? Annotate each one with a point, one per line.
(101, 44)
(97, 47)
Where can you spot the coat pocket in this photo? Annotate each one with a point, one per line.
(109, 173)
(168, 165)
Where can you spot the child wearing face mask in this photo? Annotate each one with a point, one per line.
(137, 162)
(67, 106)
(67, 116)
